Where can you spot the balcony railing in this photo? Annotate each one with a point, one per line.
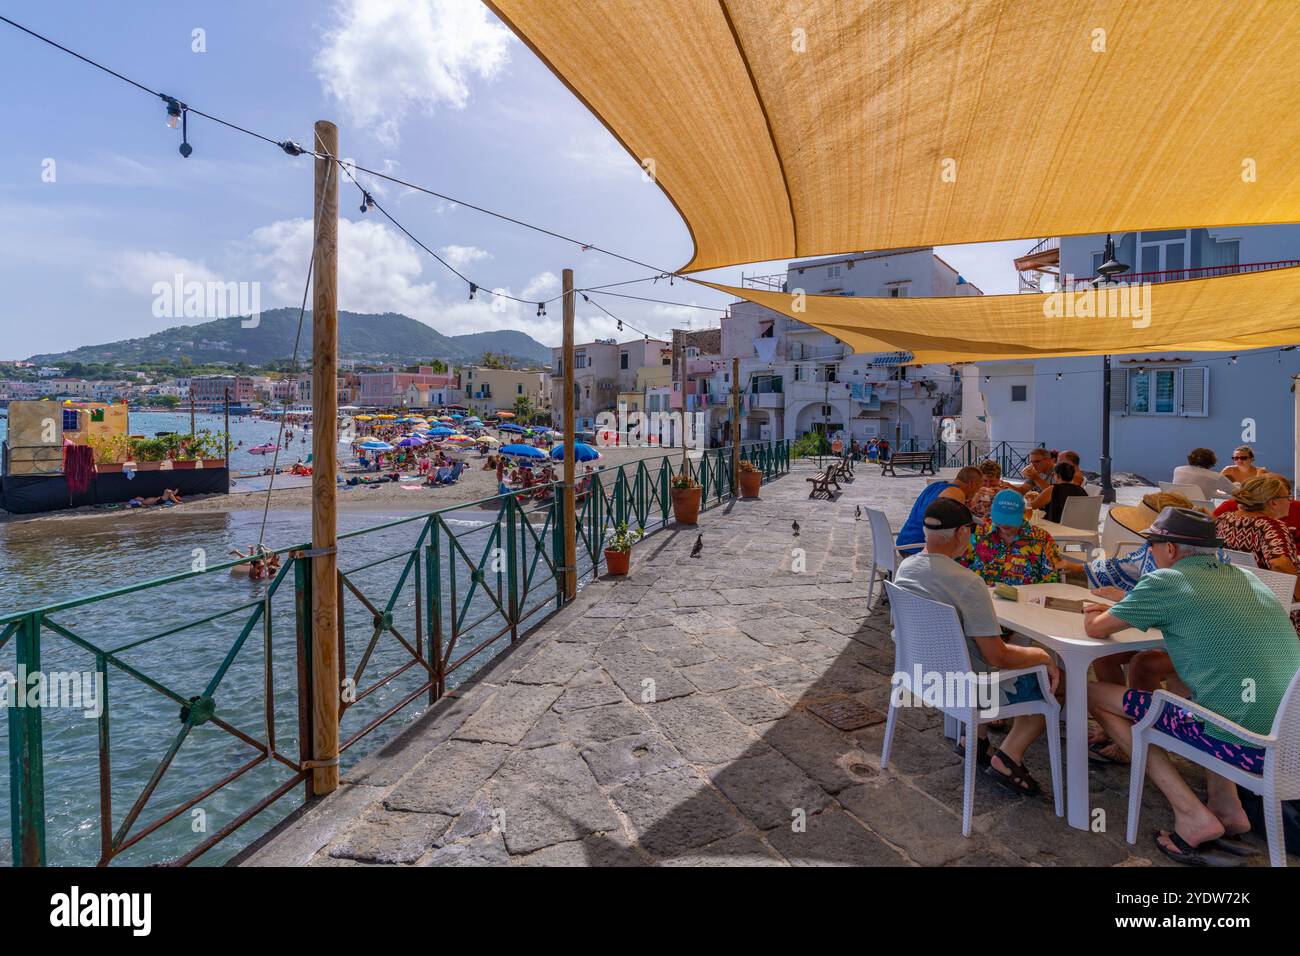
(1200, 272)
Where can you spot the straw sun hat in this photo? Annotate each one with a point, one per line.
(1137, 518)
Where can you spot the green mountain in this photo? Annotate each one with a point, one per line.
(380, 338)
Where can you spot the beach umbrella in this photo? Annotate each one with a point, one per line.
(363, 418)
(456, 416)
(411, 441)
(442, 431)
(511, 428)
(581, 452)
(523, 451)
(486, 440)
(505, 414)
(376, 446)
(459, 439)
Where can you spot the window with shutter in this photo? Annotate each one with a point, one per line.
(1119, 391)
(1195, 391)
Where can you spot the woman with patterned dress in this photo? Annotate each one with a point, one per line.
(1257, 526)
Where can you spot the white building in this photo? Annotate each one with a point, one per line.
(797, 379)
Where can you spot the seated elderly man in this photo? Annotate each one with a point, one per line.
(934, 574)
(1038, 472)
(1006, 549)
(961, 489)
(1225, 631)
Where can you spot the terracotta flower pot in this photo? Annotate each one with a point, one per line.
(108, 467)
(148, 466)
(686, 504)
(213, 462)
(184, 464)
(617, 562)
(750, 482)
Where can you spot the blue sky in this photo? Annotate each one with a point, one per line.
(434, 91)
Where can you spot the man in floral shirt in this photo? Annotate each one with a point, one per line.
(1006, 549)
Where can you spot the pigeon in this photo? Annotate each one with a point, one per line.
(794, 526)
(699, 546)
(857, 512)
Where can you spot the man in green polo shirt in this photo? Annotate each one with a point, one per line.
(1231, 643)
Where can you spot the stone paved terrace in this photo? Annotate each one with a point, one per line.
(748, 660)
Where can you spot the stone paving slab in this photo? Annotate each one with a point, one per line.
(670, 719)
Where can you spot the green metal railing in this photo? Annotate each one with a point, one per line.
(465, 583)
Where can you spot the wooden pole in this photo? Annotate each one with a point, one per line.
(324, 448)
(191, 413)
(679, 340)
(570, 499)
(735, 426)
(226, 405)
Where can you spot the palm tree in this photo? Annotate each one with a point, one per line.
(523, 409)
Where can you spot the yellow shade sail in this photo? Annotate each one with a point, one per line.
(815, 127)
(1229, 313)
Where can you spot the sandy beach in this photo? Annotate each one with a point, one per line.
(400, 496)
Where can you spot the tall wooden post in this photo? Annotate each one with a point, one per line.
(324, 450)
(570, 499)
(679, 340)
(735, 426)
(191, 413)
(225, 402)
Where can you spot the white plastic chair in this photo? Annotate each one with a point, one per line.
(1280, 583)
(1243, 559)
(1279, 780)
(928, 636)
(885, 554)
(1082, 512)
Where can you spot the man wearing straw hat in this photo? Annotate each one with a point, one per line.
(1224, 631)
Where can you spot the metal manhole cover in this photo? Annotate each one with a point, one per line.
(846, 713)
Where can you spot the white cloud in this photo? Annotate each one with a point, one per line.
(387, 59)
(462, 256)
(137, 270)
(542, 286)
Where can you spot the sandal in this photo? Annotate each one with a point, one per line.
(1018, 780)
(1183, 852)
(981, 751)
(1097, 752)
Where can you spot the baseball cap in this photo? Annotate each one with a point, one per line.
(943, 513)
(1008, 508)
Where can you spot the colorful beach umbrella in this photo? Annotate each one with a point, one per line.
(512, 428)
(376, 446)
(411, 441)
(523, 451)
(581, 452)
(442, 431)
(505, 414)
(459, 440)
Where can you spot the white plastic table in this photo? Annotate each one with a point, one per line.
(1060, 532)
(1062, 633)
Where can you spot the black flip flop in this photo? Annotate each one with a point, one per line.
(1013, 781)
(1233, 845)
(1189, 855)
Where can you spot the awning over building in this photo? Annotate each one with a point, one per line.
(814, 127)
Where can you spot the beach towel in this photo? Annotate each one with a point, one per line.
(78, 467)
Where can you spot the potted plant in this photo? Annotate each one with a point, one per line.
(110, 451)
(148, 453)
(618, 550)
(751, 479)
(209, 448)
(180, 451)
(685, 493)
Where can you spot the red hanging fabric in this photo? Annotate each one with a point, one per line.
(78, 467)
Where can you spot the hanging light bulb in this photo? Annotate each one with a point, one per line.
(1058, 376)
(541, 308)
(367, 201)
(472, 289)
(1233, 360)
(620, 325)
(173, 110)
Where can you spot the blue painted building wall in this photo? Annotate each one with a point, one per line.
(1067, 413)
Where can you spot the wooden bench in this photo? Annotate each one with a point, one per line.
(821, 483)
(920, 460)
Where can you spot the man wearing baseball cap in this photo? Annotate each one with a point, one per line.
(1225, 632)
(934, 574)
(1006, 549)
